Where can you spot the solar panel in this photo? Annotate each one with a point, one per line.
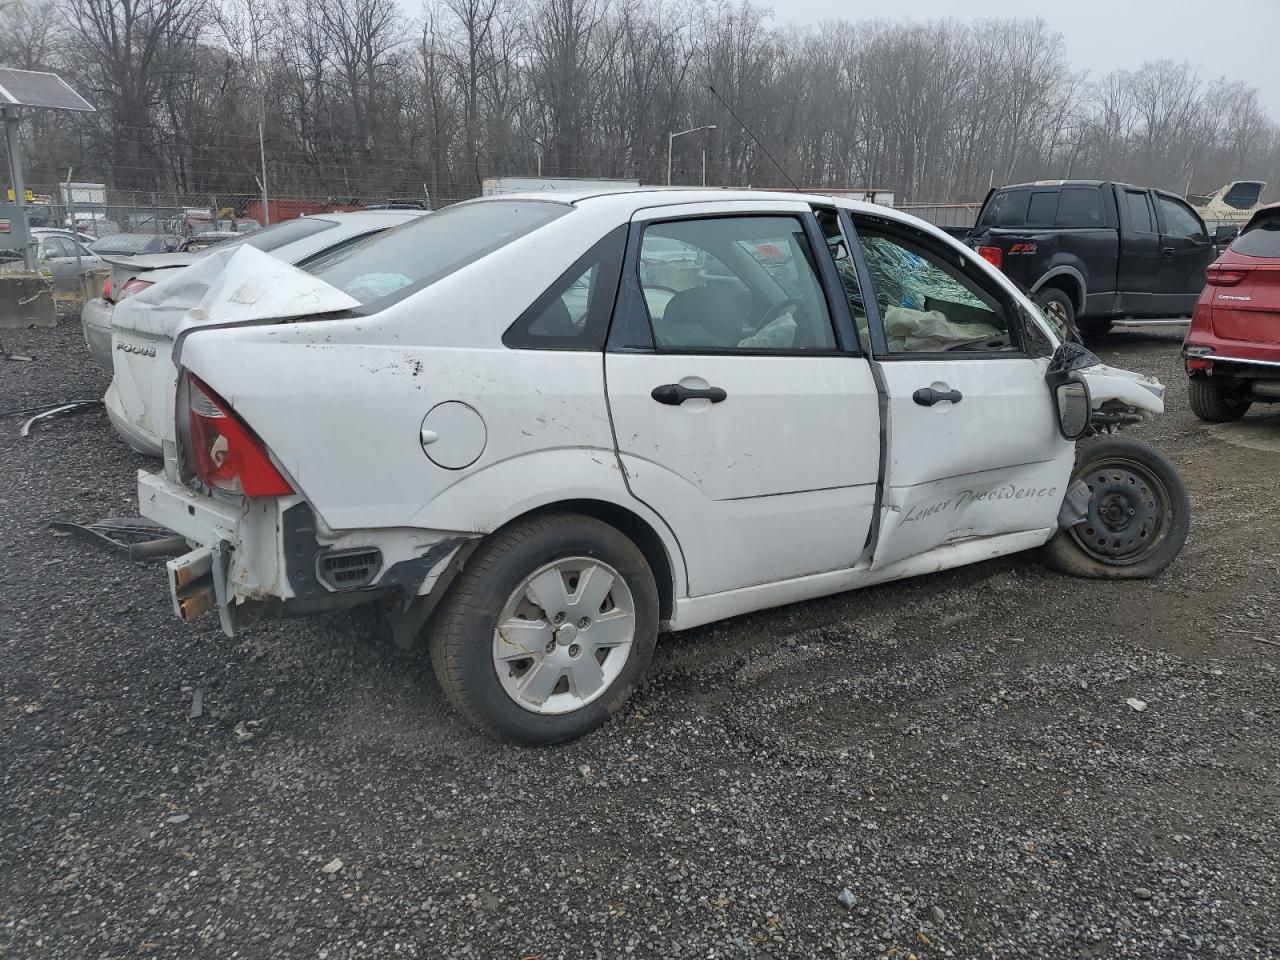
(31, 88)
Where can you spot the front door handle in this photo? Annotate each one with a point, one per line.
(927, 396)
(674, 394)
(1168, 252)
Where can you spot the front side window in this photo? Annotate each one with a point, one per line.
(57, 247)
(1180, 221)
(1139, 212)
(928, 305)
(385, 267)
(733, 283)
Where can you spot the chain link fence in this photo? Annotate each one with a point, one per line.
(105, 211)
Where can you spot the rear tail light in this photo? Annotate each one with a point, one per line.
(993, 256)
(135, 286)
(1219, 276)
(106, 290)
(226, 454)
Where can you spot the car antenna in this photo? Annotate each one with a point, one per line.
(754, 139)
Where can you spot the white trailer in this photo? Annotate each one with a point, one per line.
(493, 186)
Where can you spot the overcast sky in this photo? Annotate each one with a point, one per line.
(1232, 39)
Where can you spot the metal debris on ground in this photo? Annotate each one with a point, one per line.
(6, 355)
(58, 410)
(197, 704)
(138, 539)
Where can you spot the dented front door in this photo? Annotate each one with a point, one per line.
(973, 446)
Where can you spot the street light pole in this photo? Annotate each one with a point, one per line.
(671, 138)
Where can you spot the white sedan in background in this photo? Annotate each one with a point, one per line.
(542, 428)
(128, 339)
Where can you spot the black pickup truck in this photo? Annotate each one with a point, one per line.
(1097, 251)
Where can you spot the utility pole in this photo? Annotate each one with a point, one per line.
(11, 118)
(262, 181)
(671, 138)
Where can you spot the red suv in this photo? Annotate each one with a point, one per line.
(1232, 350)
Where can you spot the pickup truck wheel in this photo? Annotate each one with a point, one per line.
(547, 630)
(1058, 304)
(1214, 401)
(1138, 514)
(1094, 326)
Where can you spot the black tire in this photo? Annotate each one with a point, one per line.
(1059, 301)
(463, 633)
(1123, 473)
(1094, 326)
(1214, 402)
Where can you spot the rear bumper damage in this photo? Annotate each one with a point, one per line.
(271, 557)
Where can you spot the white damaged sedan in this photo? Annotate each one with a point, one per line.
(541, 429)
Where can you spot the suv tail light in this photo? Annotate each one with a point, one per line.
(106, 290)
(226, 454)
(993, 256)
(135, 286)
(1220, 276)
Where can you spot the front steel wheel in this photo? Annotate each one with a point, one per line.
(1130, 512)
(1137, 517)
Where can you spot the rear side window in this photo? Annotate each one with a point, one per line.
(1260, 240)
(574, 312)
(1139, 211)
(1008, 208)
(1080, 207)
(380, 269)
(1043, 208)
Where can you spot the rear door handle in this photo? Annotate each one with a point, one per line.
(927, 396)
(674, 394)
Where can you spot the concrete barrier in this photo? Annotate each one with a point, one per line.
(26, 300)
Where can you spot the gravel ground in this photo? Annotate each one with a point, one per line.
(956, 752)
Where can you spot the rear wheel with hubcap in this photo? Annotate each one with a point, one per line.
(547, 630)
(1137, 517)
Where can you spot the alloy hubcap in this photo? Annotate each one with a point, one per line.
(1128, 513)
(564, 635)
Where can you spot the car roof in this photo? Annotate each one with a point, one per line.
(1053, 183)
(631, 200)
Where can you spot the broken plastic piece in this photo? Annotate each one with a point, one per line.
(137, 539)
(75, 406)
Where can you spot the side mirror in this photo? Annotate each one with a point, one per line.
(1225, 233)
(1074, 408)
(1071, 399)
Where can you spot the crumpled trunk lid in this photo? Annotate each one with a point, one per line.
(226, 288)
